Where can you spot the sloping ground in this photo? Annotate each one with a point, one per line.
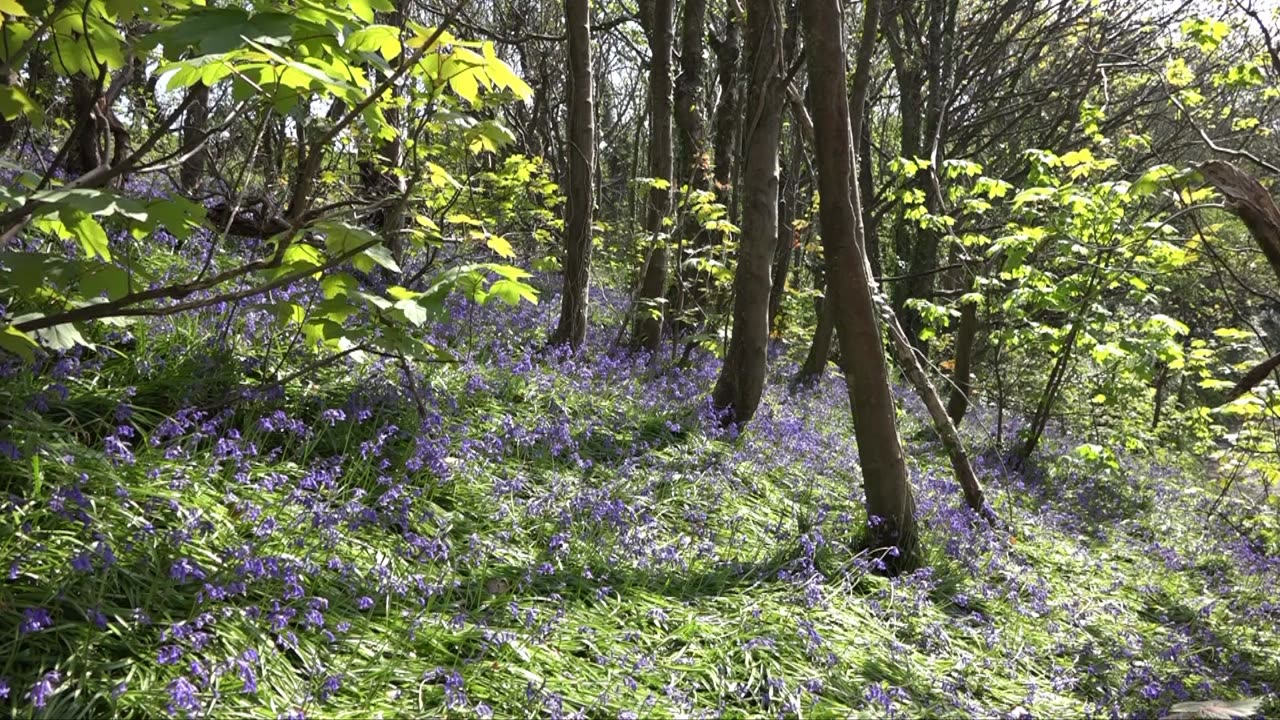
(568, 537)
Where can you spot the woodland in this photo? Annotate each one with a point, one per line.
(639, 358)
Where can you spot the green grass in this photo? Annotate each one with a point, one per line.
(667, 579)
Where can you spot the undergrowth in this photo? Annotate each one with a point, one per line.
(561, 536)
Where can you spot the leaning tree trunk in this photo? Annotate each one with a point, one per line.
(1248, 199)
(572, 327)
(890, 503)
(657, 17)
(942, 424)
(741, 382)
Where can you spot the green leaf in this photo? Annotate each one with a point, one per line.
(382, 256)
(338, 284)
(511, 292)
(413, 311)
(90, 235)
(109, 280)
(14, 8)
(213, 31)
(61, 337)
(19, 343)
(382, 39)
(15, 102)
(500, 245)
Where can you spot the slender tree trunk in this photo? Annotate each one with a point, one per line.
(727, 126)
(1044, 408)
(692, 161)
(572, 327)
(866, 186)
(942, 424)
(742, 376)
(657, 17)
(815, 361)
(789, 184)
(890, 503)
(961, 371)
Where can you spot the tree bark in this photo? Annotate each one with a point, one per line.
(657, 17)
(959, 457)
(572, 328)
(890, 503)
(788, 199)
(691, 158)
(961, 371)
(86, 151)
(194, 127)
(742, 376)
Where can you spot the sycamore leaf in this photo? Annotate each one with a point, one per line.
(90, 235)
(17, 342)
(500, 245)
(61, 337)
(511, 292)
(382, 256)
(15, 102)
(13, 7)
(337, 284)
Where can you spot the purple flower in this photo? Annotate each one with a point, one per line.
(4, 688)
(35, 619)
(183, 569)
(183, 696)
(44, 687)
(364, 603)
(169, 655)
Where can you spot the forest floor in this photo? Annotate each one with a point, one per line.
(563, 536)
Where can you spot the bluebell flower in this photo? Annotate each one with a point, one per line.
(44, 687)
(35, 619)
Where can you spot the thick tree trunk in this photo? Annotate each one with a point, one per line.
(742, 376)
(572, 327)
(194, 127)
(890, 503)
(86, 151)
(657, 17)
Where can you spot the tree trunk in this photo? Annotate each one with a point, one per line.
(890, 503)
(942, 424)
(961, 371)
(657, 17)
(86, 151)
(789, 185)
(691, 151)
(194, 127)
(572, 327)
(724, 145)
(742, 376)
